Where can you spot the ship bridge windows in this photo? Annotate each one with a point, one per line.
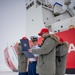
(30, 5)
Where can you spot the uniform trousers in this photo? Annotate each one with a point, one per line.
(23, 73)
(32, 68)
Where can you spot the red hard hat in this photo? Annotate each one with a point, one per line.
(43, 30)
(23, 38)
(61, 40)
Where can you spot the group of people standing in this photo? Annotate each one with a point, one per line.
(50, 56)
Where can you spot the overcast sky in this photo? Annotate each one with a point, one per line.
(12, 24)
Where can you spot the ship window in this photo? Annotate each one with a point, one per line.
(58, 19)
(32, 19)
(44, 22)
(28, 7)
(31, 4)
(47, 18)
(45, 5)
(74, 7)
(58, 30)
(50, 26)
(55, 31)
(39, 3)
(61, 26)
(42, 3)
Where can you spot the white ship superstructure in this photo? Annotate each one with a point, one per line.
(54, 17)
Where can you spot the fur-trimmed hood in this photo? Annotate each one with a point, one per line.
(56, 38)
(66, 44)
